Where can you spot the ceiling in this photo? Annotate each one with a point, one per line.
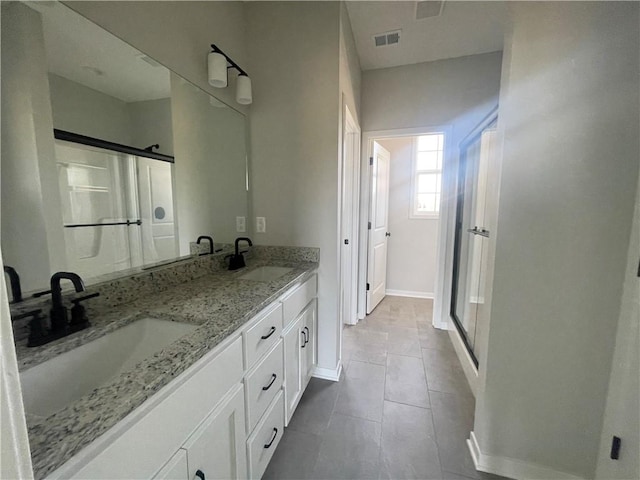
(80, 51)
(463, 28)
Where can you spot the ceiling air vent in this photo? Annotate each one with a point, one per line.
(429, 8)
(387, 38)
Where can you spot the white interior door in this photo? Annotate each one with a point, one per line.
(348, 219)
(378, 233)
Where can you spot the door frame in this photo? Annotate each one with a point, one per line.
(349, 127)
(444, 252)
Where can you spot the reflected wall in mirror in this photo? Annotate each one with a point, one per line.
(61, 71)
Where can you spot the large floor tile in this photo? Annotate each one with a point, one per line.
(376, 354)
(405, 381)
(409, 449)
(361, 393)
(444, 372)
(434, 338)
(409, 347)
(315, 407)
(295, 457)
(350, 449)
(453, 421)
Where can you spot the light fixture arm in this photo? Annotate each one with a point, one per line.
(233, 64)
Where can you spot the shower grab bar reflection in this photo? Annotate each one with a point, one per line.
(106, 224)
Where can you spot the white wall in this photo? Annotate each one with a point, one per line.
(622, 414)
(210, 168)
(178, 34)
(293, 54)
(412, 247)
(570, 165)
(28, 160)
(86, 111)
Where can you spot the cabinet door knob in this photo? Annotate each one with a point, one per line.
(273, 379)
(306, 336)
(264, 337)
(200, 474)
(275, 434)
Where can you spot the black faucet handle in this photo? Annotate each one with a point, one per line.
(30, 313)
(76, 301)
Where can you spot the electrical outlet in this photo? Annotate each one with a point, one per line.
(241, 224)
(261, 224)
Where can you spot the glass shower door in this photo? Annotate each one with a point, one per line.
(473, 218)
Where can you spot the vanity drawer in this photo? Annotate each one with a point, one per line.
(266, 437)
(294, 301)
(269, 375)
(263, 335)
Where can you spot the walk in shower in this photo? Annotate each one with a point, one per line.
(117, 206)
(474, 229)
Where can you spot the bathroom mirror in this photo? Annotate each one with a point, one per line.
(89, 206)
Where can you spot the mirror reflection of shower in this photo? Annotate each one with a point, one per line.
(117, 209)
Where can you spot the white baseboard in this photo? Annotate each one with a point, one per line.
(512, 468)
(409, 293)
(328, 373)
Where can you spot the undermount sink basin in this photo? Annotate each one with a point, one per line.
(265, 274)
(56, 383)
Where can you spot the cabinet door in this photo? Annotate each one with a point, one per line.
(310, 347)
(217, 448)
(293, 341)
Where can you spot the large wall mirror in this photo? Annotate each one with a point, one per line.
(142, 161)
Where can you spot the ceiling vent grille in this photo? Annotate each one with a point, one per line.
(387, 38)
(429, 8)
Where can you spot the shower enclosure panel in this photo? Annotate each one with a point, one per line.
(475, 219)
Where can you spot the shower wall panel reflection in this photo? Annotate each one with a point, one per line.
(474, 224)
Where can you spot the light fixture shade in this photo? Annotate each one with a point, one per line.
(217, 70)
(243, 90)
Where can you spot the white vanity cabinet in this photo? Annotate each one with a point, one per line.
(300, 346)
(225, 415)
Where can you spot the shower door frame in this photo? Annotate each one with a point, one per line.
(467, 142)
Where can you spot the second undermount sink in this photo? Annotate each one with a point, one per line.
(56, 383)
(265, 274)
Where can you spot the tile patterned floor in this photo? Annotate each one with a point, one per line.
(402, 409)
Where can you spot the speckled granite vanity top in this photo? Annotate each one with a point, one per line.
(219, 302)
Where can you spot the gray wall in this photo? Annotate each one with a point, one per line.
(32, 236)
(569, 117)
(293, 54)
(178, 34)
(412, 248)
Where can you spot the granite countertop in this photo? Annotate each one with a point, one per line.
(220, 303)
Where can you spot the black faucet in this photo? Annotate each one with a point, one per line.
(14, 279)
(237, 260)
(206, 237)
(59, 321)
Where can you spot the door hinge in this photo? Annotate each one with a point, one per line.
(367, 287)
(370, 160)
(369, 226)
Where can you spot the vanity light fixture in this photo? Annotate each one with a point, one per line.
(218, 65)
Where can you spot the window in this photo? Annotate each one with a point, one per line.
(427, 175)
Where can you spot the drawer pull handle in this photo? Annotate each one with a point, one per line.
(275, 434)
(271, 332)
(200, 474)
(306, 335)
(304, 338)
(273, 379)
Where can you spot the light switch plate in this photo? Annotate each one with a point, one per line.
(241, 224)
(261, 224)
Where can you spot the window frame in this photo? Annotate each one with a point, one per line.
(413, 203)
